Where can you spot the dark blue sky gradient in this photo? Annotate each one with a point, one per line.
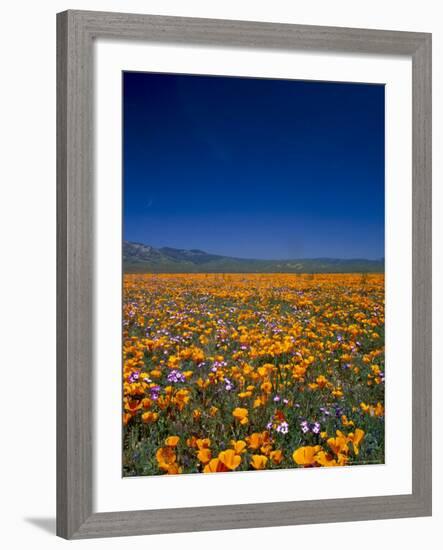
(254, 168)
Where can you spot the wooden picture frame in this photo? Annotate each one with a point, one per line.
(76, 32)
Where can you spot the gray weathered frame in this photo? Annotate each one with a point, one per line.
(76, 31)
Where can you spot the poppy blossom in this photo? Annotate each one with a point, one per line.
(258, 462)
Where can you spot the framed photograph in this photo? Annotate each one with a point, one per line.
(244, 274)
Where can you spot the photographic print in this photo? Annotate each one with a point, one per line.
(253, 274)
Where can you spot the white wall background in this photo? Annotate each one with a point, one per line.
(27, 300)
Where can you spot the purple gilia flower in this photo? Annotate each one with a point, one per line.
(176, 376)
(218, 364)
(316, 428)
(325, 412)
(338, 411)
(283, 428)
(276, 399)
(154, 391)
(304, 427)
(269, 426)
(134, 376)
(229, 385)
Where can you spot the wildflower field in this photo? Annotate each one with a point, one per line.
(226, 372)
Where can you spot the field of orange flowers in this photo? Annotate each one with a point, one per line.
(226, 372)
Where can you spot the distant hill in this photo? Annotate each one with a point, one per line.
(142, 258)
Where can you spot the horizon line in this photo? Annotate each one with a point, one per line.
(300, 258)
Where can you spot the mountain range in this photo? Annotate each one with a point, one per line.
(143, 258)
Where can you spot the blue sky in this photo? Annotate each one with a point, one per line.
(254, 168)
